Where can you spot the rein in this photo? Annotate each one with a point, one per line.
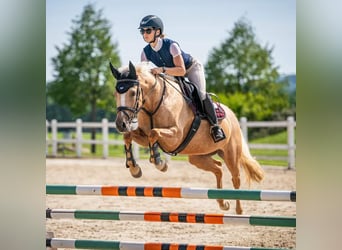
(149, 113)
(165, 80)
(173, 86)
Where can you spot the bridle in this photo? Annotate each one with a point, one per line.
(123, 85)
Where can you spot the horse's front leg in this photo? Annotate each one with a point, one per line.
(134, 168)
(156, 159)
(158, 135)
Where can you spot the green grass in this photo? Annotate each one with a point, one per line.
(279, 138)
(118, 150)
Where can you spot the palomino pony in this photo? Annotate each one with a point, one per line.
(152, 111)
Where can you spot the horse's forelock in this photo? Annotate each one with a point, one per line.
(124, 70)
(125, 73)
(143, 70)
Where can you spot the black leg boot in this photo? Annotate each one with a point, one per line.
(216, 131)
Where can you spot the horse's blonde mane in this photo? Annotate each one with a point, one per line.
(142, 67)
(146, 65)
(143, 70)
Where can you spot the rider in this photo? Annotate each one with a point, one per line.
(169, 58)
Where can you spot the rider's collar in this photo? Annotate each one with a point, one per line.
(158, 45)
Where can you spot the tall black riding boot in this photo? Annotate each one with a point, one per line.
(216, 131)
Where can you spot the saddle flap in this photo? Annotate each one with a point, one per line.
(190, 92)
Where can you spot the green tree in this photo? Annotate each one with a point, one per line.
(82, 81)
(241, 71)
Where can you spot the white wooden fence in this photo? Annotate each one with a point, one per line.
(78, 140)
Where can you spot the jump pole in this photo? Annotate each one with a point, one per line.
(173, 192)
(124, 245)
(274, 221)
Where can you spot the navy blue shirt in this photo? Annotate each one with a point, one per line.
(163, 57)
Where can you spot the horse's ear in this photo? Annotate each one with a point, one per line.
(132, 72)
(115, 72)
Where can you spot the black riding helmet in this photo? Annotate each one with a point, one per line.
(152, 21)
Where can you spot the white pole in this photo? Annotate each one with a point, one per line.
(47, 140)
(244, 128)
(291, 142)
(105, 138)
(135, 149)
(79, 137)
(54, 137)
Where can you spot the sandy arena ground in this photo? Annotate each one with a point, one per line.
(179, 174)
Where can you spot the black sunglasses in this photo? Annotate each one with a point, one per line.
(148, 31)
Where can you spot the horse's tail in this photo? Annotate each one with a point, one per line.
(252, 168)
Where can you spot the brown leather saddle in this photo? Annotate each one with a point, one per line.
(190, 94)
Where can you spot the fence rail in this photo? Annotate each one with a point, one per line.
(105, 126)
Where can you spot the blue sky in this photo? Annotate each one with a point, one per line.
(197, 25)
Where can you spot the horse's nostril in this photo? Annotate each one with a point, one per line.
(121, 126)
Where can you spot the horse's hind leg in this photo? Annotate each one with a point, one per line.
(205, 162)
(231, 157)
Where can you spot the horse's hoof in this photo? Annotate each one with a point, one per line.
(162, 166)
(135, 171)
(225, 205)
(238, 211)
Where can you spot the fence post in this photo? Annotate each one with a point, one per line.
(105, 138)
(47, 139)
(167, 158)
(244, 128)
(135, 147)
(79, 137)
(54, 137)
(291, 142)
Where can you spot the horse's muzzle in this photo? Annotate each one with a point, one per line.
(123, 125)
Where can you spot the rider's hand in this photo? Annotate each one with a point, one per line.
(157, 70)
